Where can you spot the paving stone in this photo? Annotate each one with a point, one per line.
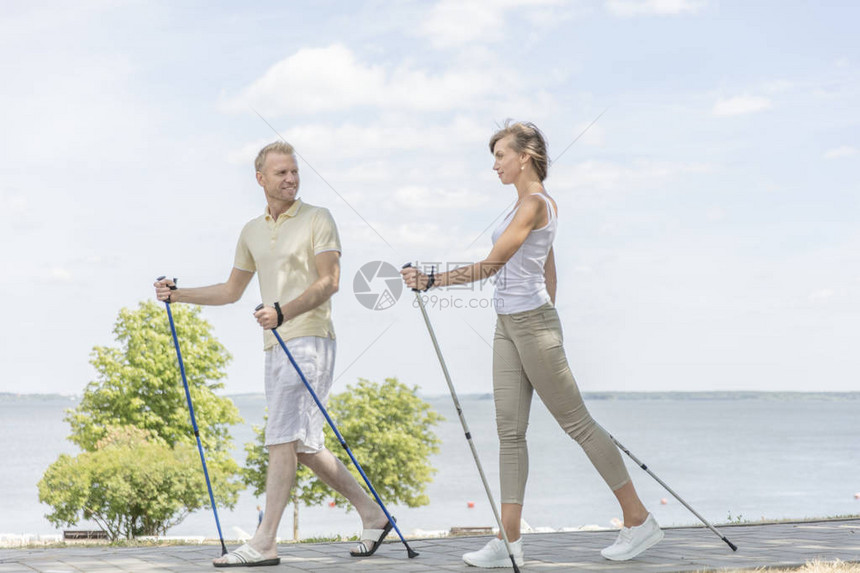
(682, 550)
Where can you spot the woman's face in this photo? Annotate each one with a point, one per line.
(508, 163)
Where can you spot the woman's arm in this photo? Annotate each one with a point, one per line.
(528, 217)
(549, 275)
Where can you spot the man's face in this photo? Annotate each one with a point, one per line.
(279, 177)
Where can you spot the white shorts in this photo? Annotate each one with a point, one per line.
(293, 414)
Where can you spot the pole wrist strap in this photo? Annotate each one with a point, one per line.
(432, 280)
(280, 314)
(172, 287)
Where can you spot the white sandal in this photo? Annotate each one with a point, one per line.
(247, 556)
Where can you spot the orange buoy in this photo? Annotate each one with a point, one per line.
(470, 504)
(331, 503)
(663, 501)
(857, 495)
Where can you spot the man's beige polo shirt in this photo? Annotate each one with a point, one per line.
(282, 253)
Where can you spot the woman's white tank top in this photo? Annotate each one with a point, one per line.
(520, 284)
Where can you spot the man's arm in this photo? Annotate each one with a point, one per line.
(322, 289)
(217, 294)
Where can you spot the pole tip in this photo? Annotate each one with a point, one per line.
(732, 545)
(411, 552)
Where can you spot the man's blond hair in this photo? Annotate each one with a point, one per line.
(276, 147)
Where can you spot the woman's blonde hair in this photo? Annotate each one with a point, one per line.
(527, 138)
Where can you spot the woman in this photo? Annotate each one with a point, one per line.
(528, 354)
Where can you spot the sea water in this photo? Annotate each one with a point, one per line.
(733, 457)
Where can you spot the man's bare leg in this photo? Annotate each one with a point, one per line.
(334, 474)
(280, 477)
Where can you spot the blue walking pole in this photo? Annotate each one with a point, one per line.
(411, 552)
(193, 420)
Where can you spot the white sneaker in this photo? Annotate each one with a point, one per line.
(632, 541)
(494, 554)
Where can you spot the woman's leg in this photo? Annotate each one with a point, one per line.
(512, 393)
(631, 506)
(538, 339)
(512, 515)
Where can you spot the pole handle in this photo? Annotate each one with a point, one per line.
(171, 287)
(407, 266)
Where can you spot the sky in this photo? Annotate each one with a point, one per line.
(706, 167)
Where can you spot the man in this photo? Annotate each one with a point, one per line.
(295, 248)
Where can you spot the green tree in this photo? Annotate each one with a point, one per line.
(136, 412)
(389, 430)
(132, 484)
(138, 382)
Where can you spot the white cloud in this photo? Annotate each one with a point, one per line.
(594, 136)
(842, 151)
(608, 176)
(16, 214)
(419, 234)
(13, 204)
(629, 8)
(715, 214)
(317, 142)
(419, 197)
(741, 105)
(329, 79)
(821, 295)
(778, 86)
(246, 154)
(455, 23)
(59, 274)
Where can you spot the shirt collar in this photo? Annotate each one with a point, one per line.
(291, 212)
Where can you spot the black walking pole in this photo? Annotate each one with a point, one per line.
(193, 420)
(411, 552)
(464, 424)
(669, 489)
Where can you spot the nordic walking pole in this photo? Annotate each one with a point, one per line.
(464, 424)
(193, 420)
(669, 489)
(411, 552)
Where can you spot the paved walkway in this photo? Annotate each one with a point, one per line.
(683, 549)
